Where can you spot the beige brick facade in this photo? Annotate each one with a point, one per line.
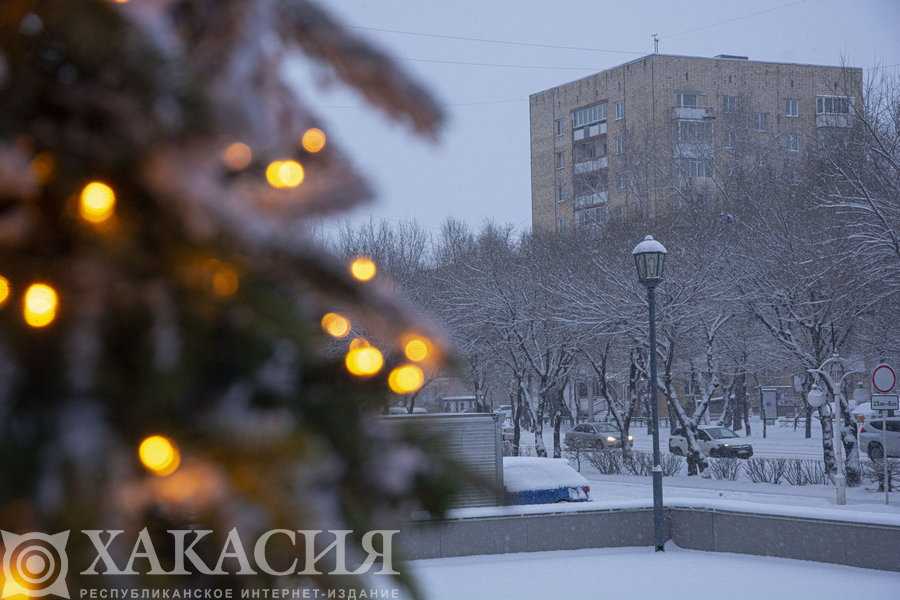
(681, 120)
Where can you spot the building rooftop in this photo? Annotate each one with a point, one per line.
(718, 57)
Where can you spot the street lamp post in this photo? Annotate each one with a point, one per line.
(649, 259)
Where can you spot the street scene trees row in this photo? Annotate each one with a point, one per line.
(788, 266)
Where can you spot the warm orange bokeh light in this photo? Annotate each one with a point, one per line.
(159, 455)
(417, 349)
(313, 140)
(97, 202)
(225, 280)
(406, 379)
(39, 305)
(4, 290)
(363, 268)
(335, 325)
(364, 362)
(285, 174)
(42, 167)
(237, 156)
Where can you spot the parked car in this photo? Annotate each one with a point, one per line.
(716, 441)
(870, 437)
(595, 436)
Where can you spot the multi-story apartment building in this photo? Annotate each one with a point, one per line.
(631, 139)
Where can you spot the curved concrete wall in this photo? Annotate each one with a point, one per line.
(861, 545)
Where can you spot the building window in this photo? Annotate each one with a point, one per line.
(620, 182)
(832, 105)
(620, 111)
(762, 121)
(596, 387)
(695, 167)
(589, 115)
(560, 193)
(791, 108)
(792, 142)
(597, 215)
(687, 100)
(620, 144)
(729, 104)
(560, 126)
(731, 142)
(560, 160)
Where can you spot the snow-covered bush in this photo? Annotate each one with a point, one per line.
(641, 464)
(607, 462)
(766, 470)
(725, 468)
(805, 472)
(874, 471)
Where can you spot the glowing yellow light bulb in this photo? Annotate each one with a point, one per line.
(417, 349)
(98, 202)
(159, 455)
(313, 140)
(406, 379)
(237, 156)
(358, 342)
(4, 290)
(285, 174)
(336, 325)
(363, 268)
(364, 362)
(39, 305)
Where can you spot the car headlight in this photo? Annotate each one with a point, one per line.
(610, 438)
(726, 445)
(630, 438)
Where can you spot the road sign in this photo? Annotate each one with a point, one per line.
(883, 378)
(885, 402)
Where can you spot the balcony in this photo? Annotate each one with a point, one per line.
(693, 113)
(592, 165)
(589, 131)
(834, 120)
(693, 150)
(591, 199)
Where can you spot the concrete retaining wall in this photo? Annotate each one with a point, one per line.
(861, 545)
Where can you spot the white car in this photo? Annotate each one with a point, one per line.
(870, 437)
(716, 441)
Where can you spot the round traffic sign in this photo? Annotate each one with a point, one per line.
(884, 378)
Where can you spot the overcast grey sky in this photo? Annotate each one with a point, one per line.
(479, 169)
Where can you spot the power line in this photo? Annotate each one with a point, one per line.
(495, 41)
(501, 65)
(733, 19)
(447, 104)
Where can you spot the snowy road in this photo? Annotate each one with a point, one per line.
(780, 442)
(623, 573)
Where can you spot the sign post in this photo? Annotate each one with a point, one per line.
(884, 378)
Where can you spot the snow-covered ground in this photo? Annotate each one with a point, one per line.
(641, 573)
(864, 503)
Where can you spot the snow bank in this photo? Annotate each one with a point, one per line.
(527, 473)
